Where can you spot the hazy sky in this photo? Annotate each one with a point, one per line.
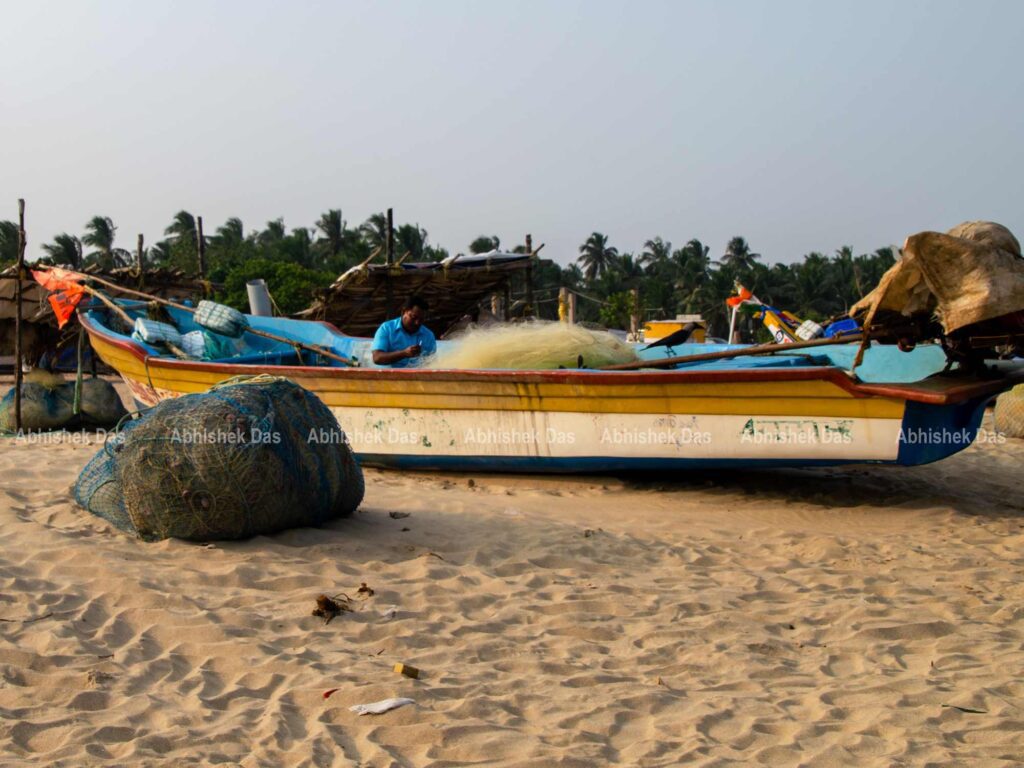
(801, 126)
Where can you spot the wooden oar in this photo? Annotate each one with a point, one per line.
(265, 334)
(760, 349)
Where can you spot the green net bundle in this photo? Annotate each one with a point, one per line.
(48, 402)
(1009, 413)
(248, 457)
(532, 346)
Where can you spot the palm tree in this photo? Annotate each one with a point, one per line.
(99, 234)
(693, 267)
(159, 254)
(655, 254)
(183, 229)
(274, 233)
(375, 231)
(332, 228)
(485, 243)
(8, 241)
(65, 249)
(229, 234)
(596, 256)
(411, 239)
(738, 255)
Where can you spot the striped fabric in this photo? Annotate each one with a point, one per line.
(221, 319)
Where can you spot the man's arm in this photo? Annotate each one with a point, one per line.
(380, 357)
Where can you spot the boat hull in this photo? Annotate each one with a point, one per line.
(580, 421)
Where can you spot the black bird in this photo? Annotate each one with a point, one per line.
(676, 337)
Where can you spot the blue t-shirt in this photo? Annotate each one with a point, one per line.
(391, 337)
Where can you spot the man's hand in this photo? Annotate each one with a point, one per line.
(413, 351)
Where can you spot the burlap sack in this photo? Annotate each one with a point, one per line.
(971, 274)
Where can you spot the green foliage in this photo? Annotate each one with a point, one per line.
(617, 311)
(485, 243)
(294, 261)
(8, 243)
(65, 250)
(289, 283)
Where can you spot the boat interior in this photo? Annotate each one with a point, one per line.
(882, 363)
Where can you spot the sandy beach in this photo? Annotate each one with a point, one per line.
(862, 616)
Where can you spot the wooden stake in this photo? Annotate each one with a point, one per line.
(138, 263)
(391, 238)
(572, 308)
(634, 314)
(389, 298)
(18, 350)
(201, 247)
(528, 312)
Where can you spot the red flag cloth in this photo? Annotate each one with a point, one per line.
(56, 279)
(64, 303)
(744, 295)
(65, 294)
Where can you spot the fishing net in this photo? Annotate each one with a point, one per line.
(1009, 412)
(535, 346)
(48, 402)
(248, 457)
(42, 408)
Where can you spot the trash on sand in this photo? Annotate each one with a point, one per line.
(365, 590)
(379, 707)
(968, 710)
(327, 694)
(389, 612)
(405, 669)
(328, 607)
(398, 515)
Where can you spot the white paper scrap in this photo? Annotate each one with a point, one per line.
(379, 707)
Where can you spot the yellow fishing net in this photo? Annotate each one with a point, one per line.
(536, 345)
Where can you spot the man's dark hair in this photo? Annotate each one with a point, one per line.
(415, 301)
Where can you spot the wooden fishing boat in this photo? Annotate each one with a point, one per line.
(794, 409)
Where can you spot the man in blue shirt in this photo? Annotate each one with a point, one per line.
(401, 340)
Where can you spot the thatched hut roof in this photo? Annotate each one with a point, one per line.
(365, 296)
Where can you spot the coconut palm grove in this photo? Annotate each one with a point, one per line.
(693, 277)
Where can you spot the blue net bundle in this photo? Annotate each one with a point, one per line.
(248, 457)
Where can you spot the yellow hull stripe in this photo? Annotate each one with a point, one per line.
(769, 398)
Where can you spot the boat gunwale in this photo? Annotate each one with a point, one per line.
(940, 389)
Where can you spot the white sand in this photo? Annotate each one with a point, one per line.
(800, 618)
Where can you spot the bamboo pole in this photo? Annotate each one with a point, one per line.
(529, 278)
(389, 298)
(166, 302)
(634, 314)
(760, 349)
(201, 247)
(138, 263)
(18, 351)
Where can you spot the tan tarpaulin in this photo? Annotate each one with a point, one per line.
(971, 274)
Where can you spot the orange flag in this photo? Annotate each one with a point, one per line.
(65, 292)
(743, 295)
